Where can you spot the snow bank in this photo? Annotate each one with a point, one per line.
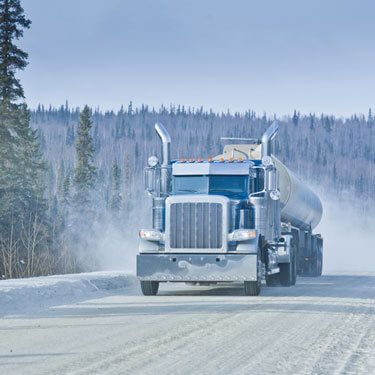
(25, 295)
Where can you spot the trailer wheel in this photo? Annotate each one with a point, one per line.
(285, 275)
(294, 265)
(288, 271)
(317, 267)
(252, 288)
(149, 288)
(320, 263)
(272, 280)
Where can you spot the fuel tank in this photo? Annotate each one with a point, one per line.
(300, 206)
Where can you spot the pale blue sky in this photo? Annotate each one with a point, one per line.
(270, 55)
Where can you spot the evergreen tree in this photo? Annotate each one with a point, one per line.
(12, 58)
(21, 165)
(116, 199)
(60, 179)
(69, 139)
(295, 118)
(80, 211)
(370, 117)
(66, 189)
(85, 171)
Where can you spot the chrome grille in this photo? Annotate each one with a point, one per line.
(196, 225)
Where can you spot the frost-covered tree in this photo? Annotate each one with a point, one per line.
(82, 215)
(12, 58)
(85, 171)
(116, 198)
(22, 206)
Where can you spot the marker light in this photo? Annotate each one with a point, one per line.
(275, 195)
(151, 235)
(152, 161)
(267, 161)
(242, 235)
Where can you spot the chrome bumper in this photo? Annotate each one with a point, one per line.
(197, 267)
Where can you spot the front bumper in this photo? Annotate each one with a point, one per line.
(197, 267)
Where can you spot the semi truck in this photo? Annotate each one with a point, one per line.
(241, 216)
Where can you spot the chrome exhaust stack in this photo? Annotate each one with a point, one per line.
(267, 139)
(166, 152)
(166, 141)
(267, 206)
(158, 179)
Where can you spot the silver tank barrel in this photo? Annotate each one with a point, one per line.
(299, 204)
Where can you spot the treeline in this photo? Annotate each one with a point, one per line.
(335, 153)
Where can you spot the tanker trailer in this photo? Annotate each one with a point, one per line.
(238, 217)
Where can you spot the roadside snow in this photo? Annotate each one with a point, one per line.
(19, 296)
(320, 326)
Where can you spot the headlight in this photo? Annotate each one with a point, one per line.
(151, 235)
(242, 235)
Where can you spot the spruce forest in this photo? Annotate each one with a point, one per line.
(72, 178)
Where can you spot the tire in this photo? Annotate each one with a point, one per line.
(288, 271)
(294, 265)
(320, 264)
(252, 288)
(272, 280)
(285, 275)
(150, 288)
(317, 267)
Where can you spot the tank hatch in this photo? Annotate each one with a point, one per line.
(238, 151)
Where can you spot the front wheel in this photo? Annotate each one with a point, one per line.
(150, 288)
(252, 288)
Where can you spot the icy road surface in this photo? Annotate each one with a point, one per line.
(321, 326)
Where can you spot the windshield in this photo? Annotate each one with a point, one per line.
(228, 185)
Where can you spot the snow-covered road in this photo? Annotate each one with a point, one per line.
(321, 326)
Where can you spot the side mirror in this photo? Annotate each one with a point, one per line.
(152, 181)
